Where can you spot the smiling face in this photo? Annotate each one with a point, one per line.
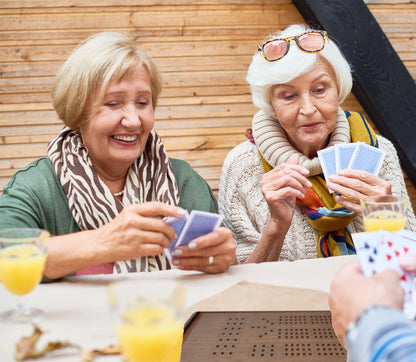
(117, 130)
(307, 107)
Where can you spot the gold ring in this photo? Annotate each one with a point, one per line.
(210, 260)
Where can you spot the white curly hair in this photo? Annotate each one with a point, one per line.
(262, 75)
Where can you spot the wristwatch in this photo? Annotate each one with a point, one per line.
(352, 329)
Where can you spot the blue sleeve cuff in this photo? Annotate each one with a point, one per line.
(381, 332)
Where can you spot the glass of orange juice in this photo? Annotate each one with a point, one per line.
(22, 262)
(148, 318)
(384, 212)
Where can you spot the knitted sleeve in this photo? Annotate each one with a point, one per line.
(240, 198)
(246, 213)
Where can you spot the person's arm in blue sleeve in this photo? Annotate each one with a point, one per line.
(367, 314)
(351, 293)
(381, 334)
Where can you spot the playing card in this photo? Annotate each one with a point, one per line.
(358, 156)
(407, 234)
(380, 250)
(191, 226)
(327, 159)
(343, 155)
(393, 246)
(367, 246)
(367, 158)
(199, 223)
(177, 224)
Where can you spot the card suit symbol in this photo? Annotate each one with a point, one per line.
(375, 251)
(406, 249)
(370, 259)
(390, 244)
(388, 256)
(397, 252)
(366, 246)
(404, 278)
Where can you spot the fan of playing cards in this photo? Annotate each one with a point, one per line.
(192, 225)
(380, 250)
(357, 156)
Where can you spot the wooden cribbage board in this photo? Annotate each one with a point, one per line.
(261, 336)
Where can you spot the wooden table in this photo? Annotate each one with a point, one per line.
(78, 310)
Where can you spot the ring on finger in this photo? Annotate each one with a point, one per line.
(210, 260)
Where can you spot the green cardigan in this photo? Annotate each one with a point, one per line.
(34, 197)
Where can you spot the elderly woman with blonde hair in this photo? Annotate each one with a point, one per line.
(272, 191)
(107, 182)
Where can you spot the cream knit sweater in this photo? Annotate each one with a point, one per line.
(246, 211)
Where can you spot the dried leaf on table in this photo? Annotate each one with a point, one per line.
(26, 346)
(90, 355)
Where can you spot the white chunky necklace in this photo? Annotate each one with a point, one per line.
(119, 193)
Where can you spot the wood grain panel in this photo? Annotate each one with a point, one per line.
(203, 49)
(381, 82)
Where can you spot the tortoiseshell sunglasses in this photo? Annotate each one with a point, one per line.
(310, 42)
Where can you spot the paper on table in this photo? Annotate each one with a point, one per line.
(245, 296)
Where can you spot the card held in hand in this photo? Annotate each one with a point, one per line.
(356, 156)
(380, 250)
(196, 224)
(343, 154)
(178, 224)
(327, 159)
(367, 158)
(394, 245)
(199, 223)
(367, 246)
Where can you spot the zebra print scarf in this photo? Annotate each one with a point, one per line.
(91, 202)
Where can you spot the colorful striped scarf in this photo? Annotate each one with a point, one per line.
(323, 213)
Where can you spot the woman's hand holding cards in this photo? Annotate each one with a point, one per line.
(201, 244)
(353, 185)
(380, 289)
(211, 253)
(351, 170)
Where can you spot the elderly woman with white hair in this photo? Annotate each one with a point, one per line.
(272, 191)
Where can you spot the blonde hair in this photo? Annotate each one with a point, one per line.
(262, 75)
(90, 68)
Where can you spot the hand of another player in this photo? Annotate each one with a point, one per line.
(282, 186)
(210, 253)
(351, 293)
(408, 263)
(354, 185)
(138, 231)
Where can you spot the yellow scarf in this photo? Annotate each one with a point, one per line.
(324, 214)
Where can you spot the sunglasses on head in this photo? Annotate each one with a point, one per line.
(310, 42)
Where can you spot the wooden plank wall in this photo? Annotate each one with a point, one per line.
(203, 49)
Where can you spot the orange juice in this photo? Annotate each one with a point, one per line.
(21, 268)
(151, 334)
(387, 220)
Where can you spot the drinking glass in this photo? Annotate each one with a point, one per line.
(148, 318)
(22, 262)
(384, 212)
